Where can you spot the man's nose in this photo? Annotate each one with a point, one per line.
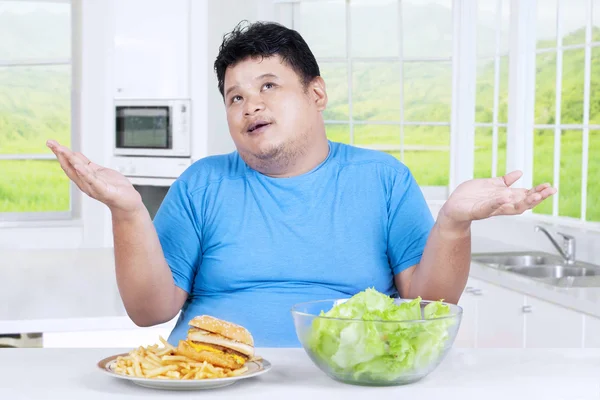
(253, 105)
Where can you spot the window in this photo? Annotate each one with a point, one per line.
(387, 65)
(567, 116)
(35, 105)
(491, 98)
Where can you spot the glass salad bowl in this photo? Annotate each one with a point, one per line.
(374, 340)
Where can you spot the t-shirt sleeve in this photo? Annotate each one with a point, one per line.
(179, 232)
(410, 222)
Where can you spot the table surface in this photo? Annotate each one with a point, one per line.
(465, 373)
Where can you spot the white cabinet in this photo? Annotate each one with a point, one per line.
(500, 320)
(466, 336)
(151, 49)
(592, 332)
(549, 325)
(497, 317)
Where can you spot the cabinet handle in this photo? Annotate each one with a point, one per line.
(477, 292)
(527, 309)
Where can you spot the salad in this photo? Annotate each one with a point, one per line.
(383, 350)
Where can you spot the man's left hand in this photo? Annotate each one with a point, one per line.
(483, 198)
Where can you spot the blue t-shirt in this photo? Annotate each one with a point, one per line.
(247, 247)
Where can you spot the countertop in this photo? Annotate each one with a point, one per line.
(60, 290)
(76, 290)
(464, 374)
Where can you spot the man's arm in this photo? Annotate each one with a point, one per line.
(444, 267)
(144, 278)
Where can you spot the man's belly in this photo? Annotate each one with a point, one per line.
(266, 314)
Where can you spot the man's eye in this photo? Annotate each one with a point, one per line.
(236, 99)
(268, 85)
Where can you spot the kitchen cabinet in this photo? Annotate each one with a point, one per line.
(468, 327)
(591, 332)
(549, 325)
(500, 320)
(151, 49)
(498, 317)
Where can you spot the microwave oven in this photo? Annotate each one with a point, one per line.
(150, 128)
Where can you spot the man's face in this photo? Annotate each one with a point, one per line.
(271, 115)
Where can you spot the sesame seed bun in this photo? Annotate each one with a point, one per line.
(226, 329)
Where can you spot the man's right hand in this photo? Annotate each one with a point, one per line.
(103, 184)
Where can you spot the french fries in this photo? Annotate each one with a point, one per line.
(166, 363)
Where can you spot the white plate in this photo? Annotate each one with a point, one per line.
(255, 368)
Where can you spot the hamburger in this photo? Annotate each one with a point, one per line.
(218, 342)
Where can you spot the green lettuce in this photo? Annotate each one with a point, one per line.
(370, 349)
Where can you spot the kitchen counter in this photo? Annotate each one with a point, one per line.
(60, 290)
(469, 373)
(76, 290)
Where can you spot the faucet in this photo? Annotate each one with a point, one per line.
(567, 250)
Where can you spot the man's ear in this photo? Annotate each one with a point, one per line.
(319, 92)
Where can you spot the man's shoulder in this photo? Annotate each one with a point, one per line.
(213, 169)
(349, 155)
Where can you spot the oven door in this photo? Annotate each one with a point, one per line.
(144, 130)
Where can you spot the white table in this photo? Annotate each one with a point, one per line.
(464, 374)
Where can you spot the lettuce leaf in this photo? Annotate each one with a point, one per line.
(368, 348)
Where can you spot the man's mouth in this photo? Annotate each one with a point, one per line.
(258, 126)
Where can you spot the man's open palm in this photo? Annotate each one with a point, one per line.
(103, 184)
(483, 198)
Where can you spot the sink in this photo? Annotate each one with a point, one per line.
(544, 267)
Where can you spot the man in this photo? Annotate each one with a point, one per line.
(290, 216)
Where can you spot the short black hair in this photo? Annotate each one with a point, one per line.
(265, 39)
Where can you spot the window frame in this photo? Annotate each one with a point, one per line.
(52, 218)
(434, 194)
(558, 50)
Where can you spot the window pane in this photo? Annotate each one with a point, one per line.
(487, 22)
(35, 105)
(427, 154)
(33, 186)
(569, 195)
(503, 90)
(336, 84)
(376, 91)
(380, 137)
(546, 23)
(593, 188)
(323, 26)
(595, 87)
(427, 28)
(596, 21)
(338, 133)
(483, 152)
(427, 91)
(374, 28)
(501, 169)
(573, 14)
(543, 164)
(545, 88)
(572, 87)
(34, 30)
(484, 96)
